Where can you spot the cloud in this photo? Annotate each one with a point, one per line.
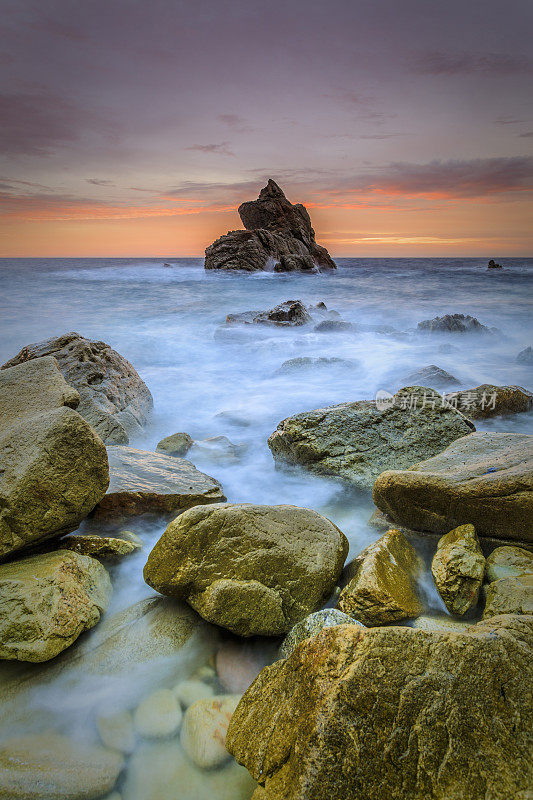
(100, 182)
(222, 148)
(235, 122)
(526, 135)
(464, 63)
(503, 120)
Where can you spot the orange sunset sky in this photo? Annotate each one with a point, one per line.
(136, 129)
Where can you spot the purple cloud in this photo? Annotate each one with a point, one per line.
(222, 148)
(449, 63)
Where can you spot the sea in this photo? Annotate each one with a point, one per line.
(167, 316)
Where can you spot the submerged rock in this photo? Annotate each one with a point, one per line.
(277, 232)
(290, 312)
(116, 731)
(457, 568)
(142, 482)
(203, 734)
(105, 547)
(490, 401)
(53, 467)
(189, 692)
(255, 570)
(513, 595)
(53, 767)
(485, 478)
(46, 601)
(382, 582)
(238, 663)
(158, 716)
(525, 356)
(508, 562)
(432, 376)
(218, 448)
(113, 398)
(440, 624)
(333, 326)
(311, 626)
(178, 444)
(306, 363)
(357, 441)
(393, 713)
(453, 323)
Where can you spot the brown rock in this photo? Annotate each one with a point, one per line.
(106, 547)
(382, 585)
(142, 482)
(491, 401)
(31, 388)
(485, 479)
(457, 568)
(508, 562)
(509, 596)
(393, 713)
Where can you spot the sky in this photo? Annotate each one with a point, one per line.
(137, 127)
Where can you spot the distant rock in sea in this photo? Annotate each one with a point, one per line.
(453, 323)
(277, 233)
(493, 265)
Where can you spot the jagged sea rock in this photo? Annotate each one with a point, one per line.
(512, 595)
(488, 400)
(394, 713)
(255, 570)
(47, 601)
(311, 626)
(508, 562)
(53, 767)
(382, 582)
(525, 356)
(432, 376)
(142, 482)
(483, 478)
(178, 444)
(357, 441)
(453, 323)
(458, 567)
(290, 312)
(203, 733)
(113, 398)
(277, 233)
(104, 547)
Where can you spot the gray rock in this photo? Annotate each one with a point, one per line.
(291, 312)
(525, 356)
(142, 482)
(333, 326)
(432, 376)
(357, 441)
(306, 363)
(178, 444)
(217, 448)
(313, 624)
(113, 398)
(453, 323)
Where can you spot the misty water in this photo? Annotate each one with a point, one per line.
(209, 379)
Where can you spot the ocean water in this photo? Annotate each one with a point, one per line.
(169, 322)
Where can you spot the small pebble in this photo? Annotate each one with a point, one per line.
(158, 715)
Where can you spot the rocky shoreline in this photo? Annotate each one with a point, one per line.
(367, 695)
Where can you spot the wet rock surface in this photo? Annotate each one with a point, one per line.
(355, 713)
(382, 582)
(432, 376)
(47, 601)
(357, 441)
(113, 398)
(142, 482)
(458, 567)
(277, 233)
(508, 562)
(453, 323)
(485, 478)
(104, 547)
(32, 387)
(178, 444)
(311, 626)
(488, 400)
(255, 570)
(512, 595)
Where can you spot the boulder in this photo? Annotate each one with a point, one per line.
(457, 568)
(432, 376)
(142, 482)
(158, 716)
(53, 471)
(105, 547)
(46, 601)
(113, 398)
(393, 713)
(525, 356)
(162, 771)
(333, 326)
(513, 595)
(311, 626)
(491, 401)
(357, 441)
(178, 444)
(288, 313)
(203, 734)
(440, 624)
(53, 767)
(255, 570)
(382, 582)
(508, 562)
(485, 479)
(277, 233)
(31, 388)
(453, 323)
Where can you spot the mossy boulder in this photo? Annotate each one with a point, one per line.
(46, 601)
(393, 713)
(382, 582)
(255, 570)
(357, 441)
(458, 567)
